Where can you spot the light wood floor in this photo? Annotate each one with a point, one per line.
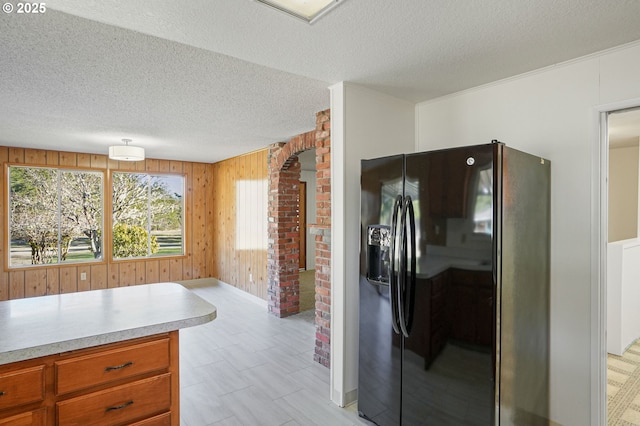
(247, 367)
(307, 290)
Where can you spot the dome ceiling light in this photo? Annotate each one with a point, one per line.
(126, 152)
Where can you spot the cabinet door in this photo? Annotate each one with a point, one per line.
(418, 340)
(22, 386)
(440, 326)
(464, 313)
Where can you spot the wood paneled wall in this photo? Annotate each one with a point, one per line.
(239, 192)
(199, 215)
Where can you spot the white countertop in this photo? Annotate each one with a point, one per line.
(40, 326)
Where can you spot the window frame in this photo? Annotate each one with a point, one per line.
(110, 223)
(473, 234)
(8, 267)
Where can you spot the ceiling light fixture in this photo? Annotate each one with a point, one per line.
(307, 10)
(126, 152)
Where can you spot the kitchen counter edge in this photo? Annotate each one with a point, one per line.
(197, 311)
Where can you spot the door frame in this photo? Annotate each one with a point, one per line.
(599, 236)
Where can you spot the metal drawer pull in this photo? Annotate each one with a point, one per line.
(118, 367)
(2, 393)
(120, 407)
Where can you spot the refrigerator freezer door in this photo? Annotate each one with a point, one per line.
(379, 346)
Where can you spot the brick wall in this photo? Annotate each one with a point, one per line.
(283, 245)
(322, 232)
(283, 295)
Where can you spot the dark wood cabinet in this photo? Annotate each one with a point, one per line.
(472, 306)
(463, 313)
(430, 326)
(457, 304)
(439, 325)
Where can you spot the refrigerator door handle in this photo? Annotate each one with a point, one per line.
(393, 273)
(406, 293)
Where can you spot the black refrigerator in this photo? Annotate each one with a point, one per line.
(454, 288)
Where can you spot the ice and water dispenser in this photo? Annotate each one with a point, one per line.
(378, 247)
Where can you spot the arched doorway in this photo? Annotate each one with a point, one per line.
(283, 229)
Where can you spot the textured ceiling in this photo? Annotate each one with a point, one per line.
(205, 80)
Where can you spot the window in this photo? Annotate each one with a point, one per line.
(55, 216)
(389, 192)
(483, 203)
(148, 214)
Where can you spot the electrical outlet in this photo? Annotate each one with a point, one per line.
(250, 278)
(83, 276)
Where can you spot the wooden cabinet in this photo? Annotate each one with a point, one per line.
(30, 418)
(472, 306)
(109, 365)
(456, 304)
(430, 326)
(133, 382)
(21, 386)
(20, 389)
(161, 420)
(440, 328)
(118, 405)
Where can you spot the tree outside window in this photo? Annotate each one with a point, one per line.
(55, 215)
(147, 215)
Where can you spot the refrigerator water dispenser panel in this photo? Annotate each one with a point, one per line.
(378, 246)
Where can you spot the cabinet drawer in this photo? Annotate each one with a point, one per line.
(99, 368)
(121, 404)
(32, 418)
(161, 420)
(21, 387)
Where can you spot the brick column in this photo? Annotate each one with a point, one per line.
(322, 232)
(283, 253)
(283, 295)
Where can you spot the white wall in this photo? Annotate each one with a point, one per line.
(554, 113)
(309, 176)
(623, 193)
(623, 295)
(364, 124)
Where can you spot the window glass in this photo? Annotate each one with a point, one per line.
(147, 215)
(483, 203)
(55, 216)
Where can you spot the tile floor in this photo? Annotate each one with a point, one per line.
(623, 383)
(249, 368)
